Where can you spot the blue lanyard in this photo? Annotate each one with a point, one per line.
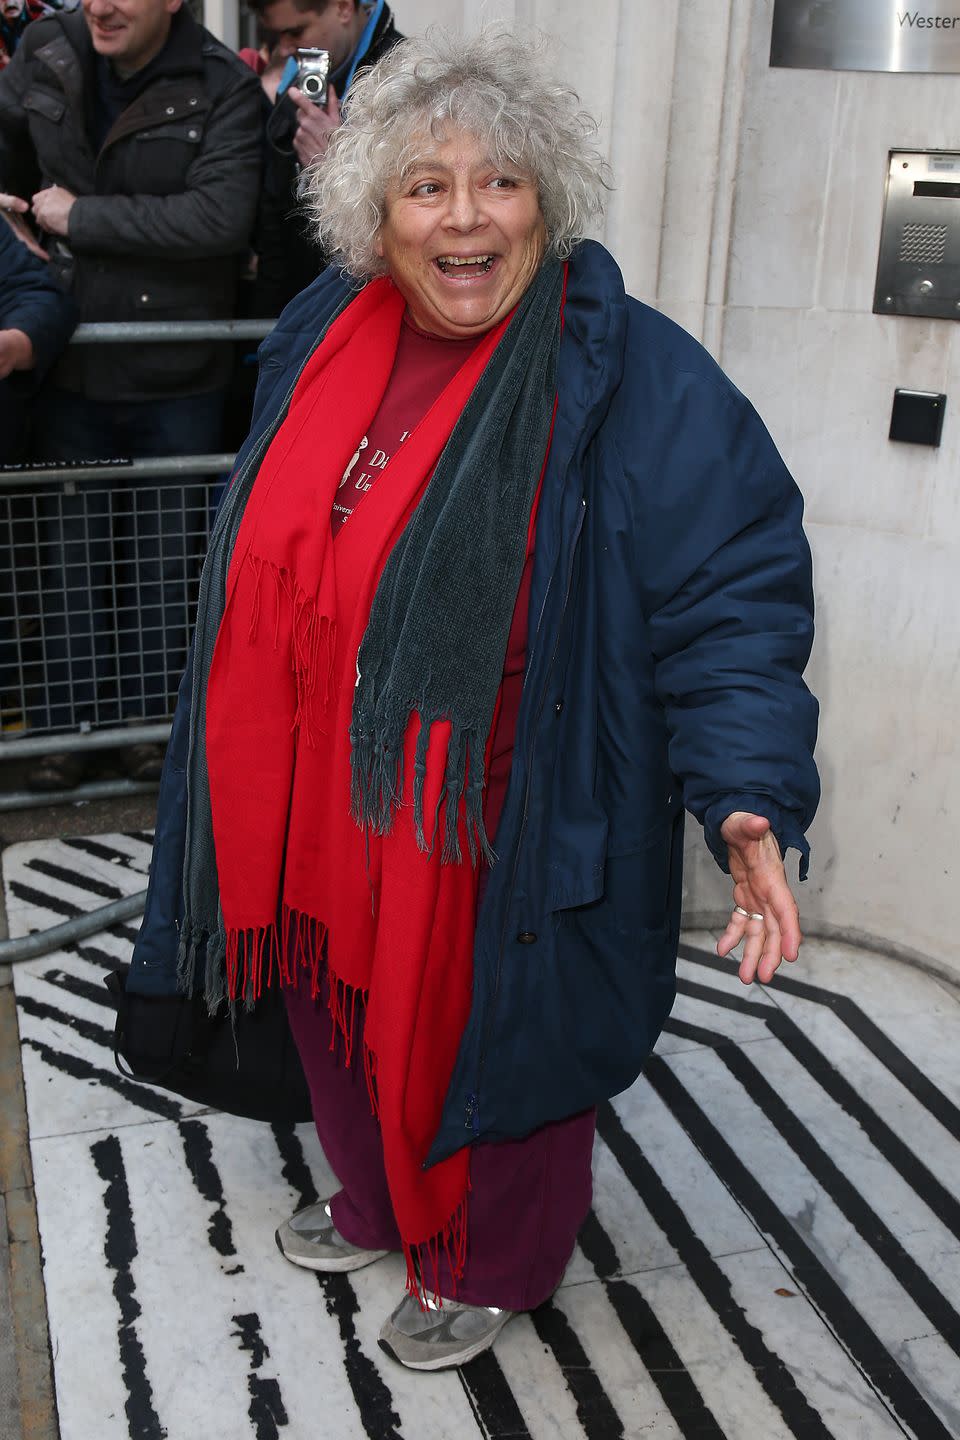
(364, 46)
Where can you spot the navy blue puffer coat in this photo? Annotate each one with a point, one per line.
(670, 623)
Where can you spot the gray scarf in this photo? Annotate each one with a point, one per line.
(439, 623)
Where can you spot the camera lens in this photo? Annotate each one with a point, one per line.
(312, 86)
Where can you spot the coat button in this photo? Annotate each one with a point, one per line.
(144, 299)
(559, 706)
(527, 937)
(192, 134)
(170, 110)
(194, 100)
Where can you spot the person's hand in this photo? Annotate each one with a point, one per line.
(14, 209)
(16, 352)
(315, 124)
(759, 887)
(51, 209)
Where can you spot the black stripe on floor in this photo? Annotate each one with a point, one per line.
(677, 1388)
(491, 1399)
(851, 1329)
(897, 1154)
(120, 1250)
(372, 1396)
(78, 1069)
(848, 1200)
(42, 901)
(595, 1409)
(57, 905)
(903, 1159)
(772, 1372)
(198, 1151)
(88, 1029)
(96, 848)
(889, 1054)
(95, 956)
(94, 992)
(266, 1409)
(77, 879)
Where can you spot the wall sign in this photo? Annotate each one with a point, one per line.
(866, 35)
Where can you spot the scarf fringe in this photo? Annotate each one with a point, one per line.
(370, 1075)
(197, 942)
(377, 783)
(423, 1260)
(313, 643)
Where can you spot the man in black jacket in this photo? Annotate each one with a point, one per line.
(139, 138)
(355, 33)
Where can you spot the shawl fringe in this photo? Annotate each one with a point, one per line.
(423, 1260)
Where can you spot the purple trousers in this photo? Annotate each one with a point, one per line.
(528, 1198)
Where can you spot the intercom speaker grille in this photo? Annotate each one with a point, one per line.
(923, 244)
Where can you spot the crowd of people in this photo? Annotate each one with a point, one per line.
(153, 173)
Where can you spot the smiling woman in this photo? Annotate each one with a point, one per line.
(461, 237)
(508, 575)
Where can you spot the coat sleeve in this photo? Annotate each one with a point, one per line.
(18, 170)
(213, 215)
(31, 301)
(726, 584)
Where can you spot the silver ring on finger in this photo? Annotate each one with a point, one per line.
(748, 914)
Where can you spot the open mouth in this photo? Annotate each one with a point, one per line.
(464, 267)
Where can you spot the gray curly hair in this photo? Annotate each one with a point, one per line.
(494, 85)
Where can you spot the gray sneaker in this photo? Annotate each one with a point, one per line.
(311, 1239)
(440, 1336)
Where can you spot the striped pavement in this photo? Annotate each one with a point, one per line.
(773, 1249)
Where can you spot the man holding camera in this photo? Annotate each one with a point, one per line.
(136, 137)
(354, 33)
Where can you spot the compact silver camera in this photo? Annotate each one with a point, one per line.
(312, 68)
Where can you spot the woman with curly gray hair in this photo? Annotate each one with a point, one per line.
(507, 577)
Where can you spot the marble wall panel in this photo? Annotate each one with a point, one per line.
(943, 512)
(695, 135)
(782, 181)
(885, 667)
(824, 384)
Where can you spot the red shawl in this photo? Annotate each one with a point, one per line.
(295, 871)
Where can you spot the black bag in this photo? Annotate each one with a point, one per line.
(248, 1067)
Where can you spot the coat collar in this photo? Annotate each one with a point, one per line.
(591, 355)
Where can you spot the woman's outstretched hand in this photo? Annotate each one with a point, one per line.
(759, 887)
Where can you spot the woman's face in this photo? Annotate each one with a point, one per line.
(462, 238)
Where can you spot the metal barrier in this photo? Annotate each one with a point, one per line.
(99, 569)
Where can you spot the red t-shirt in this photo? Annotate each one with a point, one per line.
(423, 367)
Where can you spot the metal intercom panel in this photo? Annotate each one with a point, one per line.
(918, 272)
